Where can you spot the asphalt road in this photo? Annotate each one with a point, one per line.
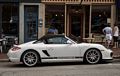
(61, 69)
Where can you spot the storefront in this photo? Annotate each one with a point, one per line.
(80, 21)
(9, 19)
(21, 21)
(68, 19)
(29, 20)
(9, 23)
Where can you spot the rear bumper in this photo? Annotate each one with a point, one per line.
(14, 59)
(13, 56)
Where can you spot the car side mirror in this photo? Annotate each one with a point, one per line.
(69, 42)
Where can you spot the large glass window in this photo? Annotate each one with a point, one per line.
(100, 15)
(54, 16)
(10, 19)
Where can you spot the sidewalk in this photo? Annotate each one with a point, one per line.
(116, 55)
(3, 57)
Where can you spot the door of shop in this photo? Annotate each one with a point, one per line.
(76, 25)
(30, 23)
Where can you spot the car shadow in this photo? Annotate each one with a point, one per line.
(20, 65)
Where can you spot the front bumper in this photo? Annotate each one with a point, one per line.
(107, 54)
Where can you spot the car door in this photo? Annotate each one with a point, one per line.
(62, 47)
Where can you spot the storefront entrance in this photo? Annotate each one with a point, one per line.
(31, 23)
(76, 24)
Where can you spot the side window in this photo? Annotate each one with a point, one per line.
(57, 40)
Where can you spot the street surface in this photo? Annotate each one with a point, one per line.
(61, 69)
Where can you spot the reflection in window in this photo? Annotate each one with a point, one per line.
(100, 15)
(10, 19)
(54, 15)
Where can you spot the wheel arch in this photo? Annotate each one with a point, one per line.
(30, 50)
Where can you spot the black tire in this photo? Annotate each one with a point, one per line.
(30, 58)
(92, 56)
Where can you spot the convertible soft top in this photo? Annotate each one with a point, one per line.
(51, 35)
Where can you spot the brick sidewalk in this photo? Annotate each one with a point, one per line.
(3, 57)
(116, 54)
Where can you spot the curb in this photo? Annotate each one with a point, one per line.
(116, 56)
(4, 60)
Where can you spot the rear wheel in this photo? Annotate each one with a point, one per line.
(92, 56)
(30, 58)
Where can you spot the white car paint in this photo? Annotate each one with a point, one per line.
(63, 52)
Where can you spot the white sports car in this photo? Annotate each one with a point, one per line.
(58, 48)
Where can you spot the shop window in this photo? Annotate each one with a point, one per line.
(101, 15)
(54, 15)
(10, 20)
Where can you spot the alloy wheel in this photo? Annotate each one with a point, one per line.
(93, 56)
(30, 58)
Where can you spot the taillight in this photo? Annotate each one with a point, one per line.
(15, 48)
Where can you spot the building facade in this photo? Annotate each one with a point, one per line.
(80, 18)
(20, 19)
(30, 19)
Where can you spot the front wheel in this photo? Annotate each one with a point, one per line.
(92, 56)
(30, 58)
